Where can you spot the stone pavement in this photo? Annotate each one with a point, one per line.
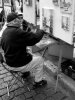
(20, 92)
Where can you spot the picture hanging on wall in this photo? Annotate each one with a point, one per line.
(7, 2)
(47, 20)
(28, 2)
(56, 2)
(0, 3)
(65, 23)
(66, 6)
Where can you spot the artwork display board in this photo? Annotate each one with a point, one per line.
(58, 15)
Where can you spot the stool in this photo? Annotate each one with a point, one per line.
(15, 74)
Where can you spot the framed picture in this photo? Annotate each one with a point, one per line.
(7, 2)
(28, 2)
(66, 6)
(1, 3)
(47, 20)
(65, 23)
(56, 2)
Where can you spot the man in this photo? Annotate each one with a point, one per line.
(14, 43)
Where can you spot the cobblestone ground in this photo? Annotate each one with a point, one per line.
(20, 92)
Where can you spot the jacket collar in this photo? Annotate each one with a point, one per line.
(14, 23)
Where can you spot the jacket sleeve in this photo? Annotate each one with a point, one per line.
(31, 38)
(25, 24)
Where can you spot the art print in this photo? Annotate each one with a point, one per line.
(7, 10)
(56, 2)
(7, 2)
(66, 6)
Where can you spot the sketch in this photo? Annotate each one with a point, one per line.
(0, 3)
(56, 2)
(65, 23)
(66, 6)
(7, 2)
(47, 20)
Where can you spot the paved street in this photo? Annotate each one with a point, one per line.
(20, 92)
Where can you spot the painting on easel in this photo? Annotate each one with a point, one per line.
(47, 20)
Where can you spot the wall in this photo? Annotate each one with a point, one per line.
(29, 12)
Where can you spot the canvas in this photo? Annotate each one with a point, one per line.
(47, 20)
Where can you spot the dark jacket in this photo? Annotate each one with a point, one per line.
(14, 41)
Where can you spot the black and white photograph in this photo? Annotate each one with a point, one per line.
(66, 6)
(37, 49)
(56, 2)
(1, 3)
(7, 2)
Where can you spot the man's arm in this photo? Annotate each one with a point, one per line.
(25, 25)
(30, 38)
(31, 34)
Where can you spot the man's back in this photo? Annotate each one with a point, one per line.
(14, 48)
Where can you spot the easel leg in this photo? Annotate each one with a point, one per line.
(59, 67)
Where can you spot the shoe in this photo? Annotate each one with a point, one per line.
(39, 84)
(25, 75)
